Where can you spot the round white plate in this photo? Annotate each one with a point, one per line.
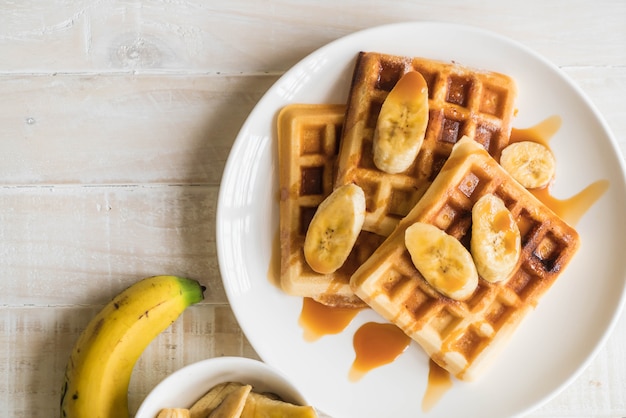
(551, 346)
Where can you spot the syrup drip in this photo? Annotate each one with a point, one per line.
(376, 344)
(573, 208)
(540, 133)
(439, 382)
(317, 319)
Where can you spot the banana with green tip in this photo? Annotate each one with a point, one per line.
(100, 365)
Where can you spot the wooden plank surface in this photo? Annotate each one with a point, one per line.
(117, 118)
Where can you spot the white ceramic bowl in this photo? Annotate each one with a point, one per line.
(185, 386)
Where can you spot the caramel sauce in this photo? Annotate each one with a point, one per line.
(540, 133)
(573, 208)
(453, 281)
(504, 221)
(318, 319)
(376, 344)
(439, 382)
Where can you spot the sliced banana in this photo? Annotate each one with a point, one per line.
(173, 413)
(213, 398)
(233, 404)
(496, 241)
(530, 163)
(261, 406)
(401, 124)
(443, 261)
(334, 229)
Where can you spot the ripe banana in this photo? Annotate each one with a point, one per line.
(401, 124)
(259, 405)
(204, 406)
(234, 399)
(232, 406)
(334, 229)
(101, 363)
(496, 241)
(443, 261)
(173, 413)
(530, 163)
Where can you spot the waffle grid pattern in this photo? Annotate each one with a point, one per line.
(460, 335)
(462, 101)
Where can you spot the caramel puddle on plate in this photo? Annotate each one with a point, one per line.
(317, 319)
(574, 207)
(439, 382)
(376, 344)
(540, 133)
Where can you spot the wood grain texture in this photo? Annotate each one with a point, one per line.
(82, 245)
(121, 129)
(245, 36)
(116, 120)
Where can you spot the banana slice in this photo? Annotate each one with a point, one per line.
(401, 124)
(261, 406)
(530, 163)
(443, 261)
(173, 413)
(233, 404)
(496, 240)
(334, 229)
(213, 398)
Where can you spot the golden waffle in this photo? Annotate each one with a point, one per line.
(462, 336)
(308, 142)
(462, 101)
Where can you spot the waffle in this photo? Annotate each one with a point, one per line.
(462, 101)
(308, 142)
(463, 336)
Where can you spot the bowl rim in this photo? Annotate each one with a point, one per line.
(195, 379)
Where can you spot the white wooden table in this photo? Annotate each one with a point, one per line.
(116, 118)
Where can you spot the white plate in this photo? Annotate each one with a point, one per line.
(551, 346)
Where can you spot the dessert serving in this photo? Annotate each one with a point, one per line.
(404, 207)
(462, 333)
(549, 109)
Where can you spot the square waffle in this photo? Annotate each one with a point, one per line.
(308, 142)
(462, 101)
(463, 336)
